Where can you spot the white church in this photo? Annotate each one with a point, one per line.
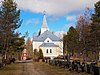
(51, 45)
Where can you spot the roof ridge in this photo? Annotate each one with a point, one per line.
(50, 35)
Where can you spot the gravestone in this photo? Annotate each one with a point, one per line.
(96, 70)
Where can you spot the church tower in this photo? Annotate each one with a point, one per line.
(44, 25)
(49, 43)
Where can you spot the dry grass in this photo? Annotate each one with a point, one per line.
(17, 69)
(13, 69)
(54, 70)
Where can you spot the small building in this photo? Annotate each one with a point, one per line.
(51, 45)
(24, 54)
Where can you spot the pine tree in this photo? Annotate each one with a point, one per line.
(95, 30)
(29, 47)
(9, 22)
(17, 45)
(40, 54)
(72, 39)
(64, 44)
(36, 54)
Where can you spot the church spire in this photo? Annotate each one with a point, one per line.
(44, 24)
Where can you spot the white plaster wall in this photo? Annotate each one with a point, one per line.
(60, 48)
(36, 45)
(53, 54)
(56, 50)
(50, 41)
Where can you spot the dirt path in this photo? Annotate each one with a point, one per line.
(30, 69)
(35, 68)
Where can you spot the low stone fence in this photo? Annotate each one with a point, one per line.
(77, 66)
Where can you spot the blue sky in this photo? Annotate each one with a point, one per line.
(32, 23)
(61, 14)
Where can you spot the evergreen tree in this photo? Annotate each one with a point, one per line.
(9, 22)
(72, 40)
(40, 54)
(64, 44)
(95, 30)
(36, 53)
(29, 47)
(17, 46)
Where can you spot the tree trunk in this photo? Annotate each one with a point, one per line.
(99, 55)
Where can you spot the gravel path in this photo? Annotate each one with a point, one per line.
(30, 69)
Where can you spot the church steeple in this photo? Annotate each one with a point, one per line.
(44, 24)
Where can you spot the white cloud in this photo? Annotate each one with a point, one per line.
(55, 7)
(32, 22)
(71, 18)
(60, 33)
(53, 18)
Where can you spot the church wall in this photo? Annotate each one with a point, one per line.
(36, 45)
(53, 54)
(58, 43)
(48, 40)
(60, 48)
(56, 50)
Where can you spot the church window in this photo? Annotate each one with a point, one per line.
(47, 51)
(50, 50)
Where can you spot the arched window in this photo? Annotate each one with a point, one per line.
(47, 51)
(50, 50)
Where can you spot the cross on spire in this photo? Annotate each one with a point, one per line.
(44, 12)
